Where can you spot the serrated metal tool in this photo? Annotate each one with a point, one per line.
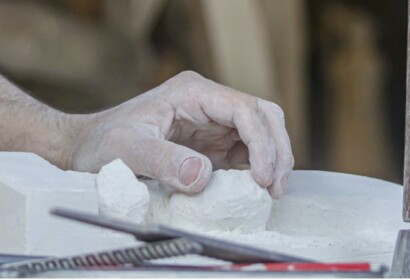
(212, 247)
(132, 255)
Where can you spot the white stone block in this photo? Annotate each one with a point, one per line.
(29, 188)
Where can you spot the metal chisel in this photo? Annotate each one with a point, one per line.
(212, 247)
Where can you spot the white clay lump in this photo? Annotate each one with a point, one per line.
(232, 200)
(121, 195)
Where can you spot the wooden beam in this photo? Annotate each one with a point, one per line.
(287, 25)
(240, 46)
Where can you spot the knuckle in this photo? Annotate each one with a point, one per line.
(269, 107)
(186, 83)
(189, 74)
(291, 160)
(277, 110)
(287, 159)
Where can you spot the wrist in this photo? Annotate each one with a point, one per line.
(27, 125)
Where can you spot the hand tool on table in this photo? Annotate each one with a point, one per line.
(126, 256)
(244, 258)
(212, 247)
(163, 242)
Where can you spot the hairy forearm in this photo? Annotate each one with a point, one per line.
(30, 126)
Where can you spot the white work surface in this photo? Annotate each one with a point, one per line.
(330, 217)
(323, 216)
(344, 217)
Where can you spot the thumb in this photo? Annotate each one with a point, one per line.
(171, 164)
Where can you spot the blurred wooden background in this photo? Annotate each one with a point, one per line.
(337, 67)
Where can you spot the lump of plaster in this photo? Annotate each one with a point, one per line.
(121, 195)
(232, 201)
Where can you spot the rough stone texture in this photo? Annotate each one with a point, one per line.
(121, 195)
(232, 201)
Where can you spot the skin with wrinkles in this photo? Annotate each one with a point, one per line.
(176, 133)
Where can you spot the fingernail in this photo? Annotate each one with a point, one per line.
(189, 170)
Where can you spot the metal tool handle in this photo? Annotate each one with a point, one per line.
(132, 255)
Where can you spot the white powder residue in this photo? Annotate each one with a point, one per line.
(121, 195)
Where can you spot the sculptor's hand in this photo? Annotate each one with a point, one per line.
(178, 131)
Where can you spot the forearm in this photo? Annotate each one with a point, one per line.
(30, 126)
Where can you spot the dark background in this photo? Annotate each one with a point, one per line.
(338, 67)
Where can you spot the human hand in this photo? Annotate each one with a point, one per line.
(181, 130)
